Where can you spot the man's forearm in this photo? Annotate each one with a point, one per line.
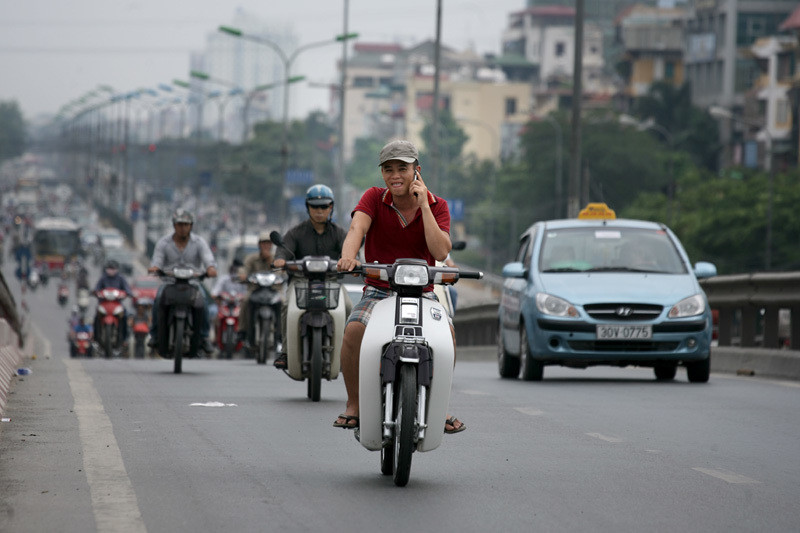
(437, 240)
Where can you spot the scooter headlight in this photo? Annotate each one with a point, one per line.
(412, 275)
(317, 265)
(183, 273)
(265, 279)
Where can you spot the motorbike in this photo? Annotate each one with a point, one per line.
(33, 279)
(228, 323)
(62, 295)
(263, 320)
(82, 300)
(141, 326)
(406, 365)
(81, 344)
(110, 312)
(178, 328)
(315, 321)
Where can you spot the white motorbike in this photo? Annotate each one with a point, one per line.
(315, 320)
(406, 365)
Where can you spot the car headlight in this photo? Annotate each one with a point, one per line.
(691, 306)
(413, 275)
(552, 305)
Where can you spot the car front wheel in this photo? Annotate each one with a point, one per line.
(507, 364)
(531, 369)
(699, 371)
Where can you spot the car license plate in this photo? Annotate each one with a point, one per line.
(625, 332)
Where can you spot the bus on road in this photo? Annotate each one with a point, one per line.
(56, 241)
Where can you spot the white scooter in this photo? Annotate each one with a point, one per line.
(406, 365)
(315, 320)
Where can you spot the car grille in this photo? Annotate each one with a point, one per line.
(623, 311)
(623, 346)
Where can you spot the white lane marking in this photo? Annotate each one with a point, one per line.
(47, 347)
(532, 411)
(605, 437)
(213, 404)
(113, 498)
(726, 475)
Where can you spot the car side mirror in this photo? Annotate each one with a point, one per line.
(704, 269)
(515, 270)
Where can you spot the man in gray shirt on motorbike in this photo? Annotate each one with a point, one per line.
(183, 248)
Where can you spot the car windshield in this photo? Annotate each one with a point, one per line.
(609, 249)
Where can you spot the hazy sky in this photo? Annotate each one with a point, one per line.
(54, 51)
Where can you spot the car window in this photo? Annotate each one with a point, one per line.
(524, 247)
(609, 249)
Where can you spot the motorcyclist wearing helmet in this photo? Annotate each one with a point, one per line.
(112, 279)
(318, 235)
(183, 248)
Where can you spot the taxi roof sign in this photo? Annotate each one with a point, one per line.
(597, 210)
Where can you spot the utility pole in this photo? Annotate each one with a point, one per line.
(339, 184)
(435, 115)
(574, 200)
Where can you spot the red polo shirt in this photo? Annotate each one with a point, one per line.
(390, 236)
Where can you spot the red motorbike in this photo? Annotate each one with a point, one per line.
(63, 294)
(110, 312)
(227, 324)
(141, 326)
(81, 344)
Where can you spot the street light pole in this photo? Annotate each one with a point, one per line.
(722, 112)
(559, 163)
(287, 61)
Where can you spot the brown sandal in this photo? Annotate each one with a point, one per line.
(452, 422)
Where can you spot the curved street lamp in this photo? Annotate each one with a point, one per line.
(287, 60)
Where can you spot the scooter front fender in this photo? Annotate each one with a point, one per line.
(379, 332)
(293, 343)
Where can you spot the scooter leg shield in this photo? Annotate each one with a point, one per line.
(379, 332)
(440, 340)
(339, 316)
(292, 343)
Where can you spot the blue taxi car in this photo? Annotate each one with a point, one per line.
(597, 290)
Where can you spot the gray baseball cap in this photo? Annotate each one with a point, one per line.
(403, 150)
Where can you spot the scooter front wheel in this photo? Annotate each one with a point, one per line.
(178, 344)
(315, 374)
(404, 429)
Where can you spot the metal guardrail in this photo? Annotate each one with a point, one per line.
(749, 309)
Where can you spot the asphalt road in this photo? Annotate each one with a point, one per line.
(126, 445)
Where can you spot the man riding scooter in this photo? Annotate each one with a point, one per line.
(257, 262)
(318, 235)
(183, 248)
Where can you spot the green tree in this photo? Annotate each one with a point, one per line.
(12, 130)
(690, 128)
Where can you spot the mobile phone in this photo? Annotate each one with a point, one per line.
(416, 177)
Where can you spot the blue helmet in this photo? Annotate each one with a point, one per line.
(317, 195)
